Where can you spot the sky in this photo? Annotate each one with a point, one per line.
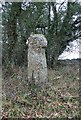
(73, 53)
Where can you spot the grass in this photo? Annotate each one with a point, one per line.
(59, 99)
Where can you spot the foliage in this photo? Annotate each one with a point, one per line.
(60, 26)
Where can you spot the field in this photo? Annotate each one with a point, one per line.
(58, 99)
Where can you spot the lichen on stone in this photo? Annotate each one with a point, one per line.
(36, 58)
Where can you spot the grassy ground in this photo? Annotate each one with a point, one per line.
(59, 99)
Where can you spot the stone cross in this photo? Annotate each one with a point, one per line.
(37, 67)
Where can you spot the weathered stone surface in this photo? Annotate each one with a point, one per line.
(37, 67)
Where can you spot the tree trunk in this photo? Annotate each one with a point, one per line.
(11, 31)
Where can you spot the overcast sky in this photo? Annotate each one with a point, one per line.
(73, 53)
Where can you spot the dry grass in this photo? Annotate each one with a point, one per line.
(58, 100)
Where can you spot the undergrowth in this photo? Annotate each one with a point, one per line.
(59, 99)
